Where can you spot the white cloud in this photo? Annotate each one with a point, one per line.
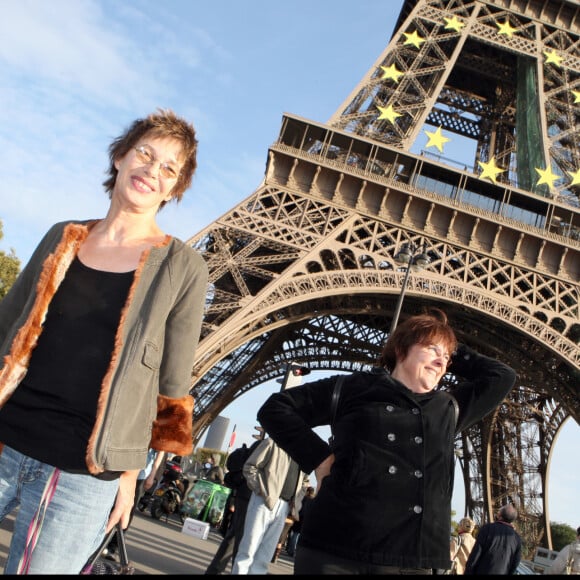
(66, 43)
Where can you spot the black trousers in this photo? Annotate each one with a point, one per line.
(229, 545)
(315, 562)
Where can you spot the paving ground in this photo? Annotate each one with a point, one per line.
(159, 547)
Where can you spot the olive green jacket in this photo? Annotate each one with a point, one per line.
(144, 400)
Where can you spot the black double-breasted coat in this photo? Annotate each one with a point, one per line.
(387, 500)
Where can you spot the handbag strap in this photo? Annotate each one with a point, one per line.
(122, 546)
(123, 556)
(334, 403)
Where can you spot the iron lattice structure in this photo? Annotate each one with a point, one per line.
(303, 270)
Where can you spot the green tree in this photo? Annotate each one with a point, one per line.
(9, 268)
(562, 535)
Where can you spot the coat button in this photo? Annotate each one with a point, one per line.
(392, 470)
(417, 509)
(391, 436)
(418, 440)
(418, 474)
(415, 411)
(390, 408)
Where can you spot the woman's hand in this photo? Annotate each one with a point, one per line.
(323, 470)
(123, 507)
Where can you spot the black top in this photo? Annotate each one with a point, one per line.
(392, 478)
(51, 414)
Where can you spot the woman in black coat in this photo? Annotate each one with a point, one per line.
(383, 504)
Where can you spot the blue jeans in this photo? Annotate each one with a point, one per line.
(75, 520)
(292, 543)
(262, 530)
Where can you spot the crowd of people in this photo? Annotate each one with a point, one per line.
(97, 340)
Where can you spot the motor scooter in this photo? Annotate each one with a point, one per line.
(145, 500)
(167, 498)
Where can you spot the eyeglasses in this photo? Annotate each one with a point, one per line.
(146, 155)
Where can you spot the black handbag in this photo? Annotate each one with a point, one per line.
(97, 564)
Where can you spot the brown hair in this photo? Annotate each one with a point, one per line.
(428, 328)
(162, 124)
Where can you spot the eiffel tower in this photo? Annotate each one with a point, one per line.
(303, 270)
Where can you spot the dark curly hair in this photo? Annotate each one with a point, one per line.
(162, 124)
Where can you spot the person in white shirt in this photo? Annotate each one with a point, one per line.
(568, 559)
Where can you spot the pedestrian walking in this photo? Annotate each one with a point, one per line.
(234, 478)
(462, 545)
(294, 533)
(276, 483)
(568, 559)
(498, 547)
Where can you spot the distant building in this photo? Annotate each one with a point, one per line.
(216, 434)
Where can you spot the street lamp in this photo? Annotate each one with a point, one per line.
(293, 376)
(415, 258)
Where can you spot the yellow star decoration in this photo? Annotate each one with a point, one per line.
(506, 28)
(453, 24)
(436, 139)
(552, 57)
(389, 113)
(546, 176)
(391, 72)
(413, 39)
(576, 96)
(490, 170)
(575, 177)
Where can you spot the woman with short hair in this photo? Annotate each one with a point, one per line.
(97, 342)
(383, 504)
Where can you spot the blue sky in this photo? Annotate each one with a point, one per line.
(75, 73)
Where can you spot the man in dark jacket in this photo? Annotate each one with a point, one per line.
(498, 547)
